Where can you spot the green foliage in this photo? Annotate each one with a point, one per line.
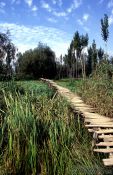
(80, 41)
(36, 63)
(71, 84)
(8, 52)
(74, 60)
(95, 57)
(100, 54)
(104, 28)
(98, 90)
(40, 135)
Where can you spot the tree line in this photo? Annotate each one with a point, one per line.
(81, 59)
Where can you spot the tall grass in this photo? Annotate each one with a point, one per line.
(98, 90)
(71, 84)
(40, 135)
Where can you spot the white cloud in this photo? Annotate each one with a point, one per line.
(77, 3)
(85, 17)
(15, 1)
(54, 2)
(29, 2)
(60, 14)
(28, 37)
(52, 20)
(50, 9)
(60, 3)
(2, 5)
(34, 8)
(65, 13)
(80, 22)
(110, 4)
(74, 5)
(110, 19)
(46, 6)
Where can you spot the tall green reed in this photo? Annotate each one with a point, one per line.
(41, 135)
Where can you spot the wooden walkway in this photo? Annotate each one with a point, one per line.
(100, 126)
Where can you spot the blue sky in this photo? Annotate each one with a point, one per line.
(54, 22)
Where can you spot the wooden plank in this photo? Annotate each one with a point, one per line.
(108, 162)
(100, 126)
(105, 136)
(95, 115)
(98, 120)
(82, 109)
(77, 101)
(105, 144)
(98, 123)
(106, 150)
(104, 131)
(80, 105)
(91, 130)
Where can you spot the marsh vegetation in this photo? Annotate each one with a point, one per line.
(40, 134)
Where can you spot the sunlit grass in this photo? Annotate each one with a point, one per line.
(40, 135)
(71, 84)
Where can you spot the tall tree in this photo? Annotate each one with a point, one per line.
(66, 64)
(60, 71)
(94, 55)
(7, 51)
(36, 63)
(80, 42)
(100, 54)
(84, 43)
(89, 61)
(104, 30)
(92, 58)
(77, 43)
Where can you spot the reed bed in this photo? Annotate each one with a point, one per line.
(40, 135)
(98, 90)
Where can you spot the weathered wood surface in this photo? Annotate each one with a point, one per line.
(104, 150)
(101, 126)
(105, 144)
(108, 162)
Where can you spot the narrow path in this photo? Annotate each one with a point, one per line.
(100, 126)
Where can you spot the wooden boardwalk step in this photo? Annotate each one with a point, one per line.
(99, 125)
(104, 150)
(104, 131)
(106, 138)
(108, 162)
(105, 144)
(98, 121)
(93, 115)
(95, 123)
(92, 130)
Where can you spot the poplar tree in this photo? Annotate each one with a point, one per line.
(104, 30)
(80, 42)
(100, 54)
